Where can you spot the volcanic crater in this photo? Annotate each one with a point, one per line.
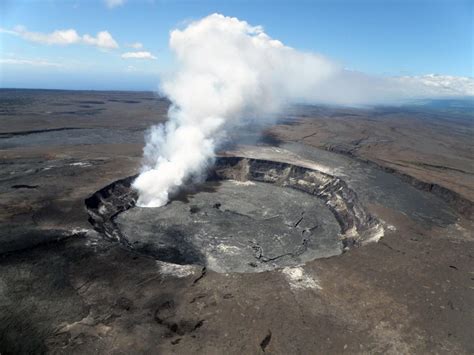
(250, 215)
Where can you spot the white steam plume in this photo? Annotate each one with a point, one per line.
(229, 71)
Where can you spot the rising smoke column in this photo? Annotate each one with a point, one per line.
(228, 70)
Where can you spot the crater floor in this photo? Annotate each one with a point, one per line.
(233, 226)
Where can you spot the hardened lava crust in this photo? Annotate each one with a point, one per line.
(250, 215)
(66, 288)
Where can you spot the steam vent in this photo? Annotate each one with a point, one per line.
(250, 215)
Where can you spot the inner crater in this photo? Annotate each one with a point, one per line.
(249, 216)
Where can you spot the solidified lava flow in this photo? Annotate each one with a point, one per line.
(250, 215)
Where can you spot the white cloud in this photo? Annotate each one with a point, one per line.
(103, 39)
(61, 37)
(114, 3)
(136, 45)
(138, 55)
(440, 85)
(33, 62)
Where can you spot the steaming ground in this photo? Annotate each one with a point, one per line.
(64, 288)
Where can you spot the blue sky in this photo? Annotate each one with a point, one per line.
(388, 37)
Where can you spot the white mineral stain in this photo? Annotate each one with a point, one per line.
(242, 183)
(82, 164)
(299, 280)
(175, 270)
(228, 249)
(377, 233)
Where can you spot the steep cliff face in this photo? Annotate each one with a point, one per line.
(104, 205)
(356, 224)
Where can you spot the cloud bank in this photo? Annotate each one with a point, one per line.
(138, 55)
(434, 85)
(102, 40)
(229, 71)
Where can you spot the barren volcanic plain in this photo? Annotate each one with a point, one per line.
(337, 230)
